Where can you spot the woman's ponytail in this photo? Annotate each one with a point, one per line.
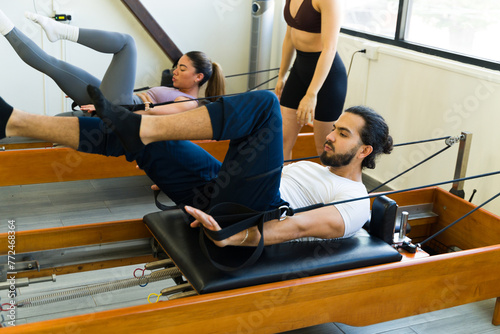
(212, 73)
(216, 85)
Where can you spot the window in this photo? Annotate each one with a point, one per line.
(377, 17)
(464, 26)
(463, 30)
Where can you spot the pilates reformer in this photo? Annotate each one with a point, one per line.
(427, 282)
(28, 161)
(37, 162)
(324, 291)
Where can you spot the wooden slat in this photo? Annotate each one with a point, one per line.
(217, 149)
(305, 147)
(60, 164)
(22, 146)
(419, 233)
(82, 267)
(154, 29)
(414, 197)
(73, 236)
(478, 230)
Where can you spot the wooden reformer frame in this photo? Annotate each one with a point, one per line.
(32, 163)
(357, 297)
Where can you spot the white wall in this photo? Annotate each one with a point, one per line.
(221, 28)
(37, 93)
(425, 97)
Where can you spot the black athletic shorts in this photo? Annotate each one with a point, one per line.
(331, 96)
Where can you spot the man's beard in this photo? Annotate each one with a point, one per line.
(337, 160)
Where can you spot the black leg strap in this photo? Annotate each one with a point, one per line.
(162, 206)
(234, 218)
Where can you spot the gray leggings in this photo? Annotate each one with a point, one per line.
(117, 84)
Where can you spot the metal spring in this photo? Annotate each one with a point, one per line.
(100, 288)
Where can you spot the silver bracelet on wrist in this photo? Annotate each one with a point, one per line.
(245, 238)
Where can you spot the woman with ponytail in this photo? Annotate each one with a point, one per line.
(193, 69)
(191, 72)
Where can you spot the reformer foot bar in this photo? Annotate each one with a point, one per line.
(354, 296)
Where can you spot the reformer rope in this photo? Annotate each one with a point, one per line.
(421, 187)
(227, 77)
(262, 84)
(449, 140)
(409, 169)
(254, 72)
(421, 141)
(414, 188)
(135, 107)
(300, 159)
(395, 145)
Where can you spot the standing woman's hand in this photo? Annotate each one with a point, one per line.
(305, 111)
(279, 88)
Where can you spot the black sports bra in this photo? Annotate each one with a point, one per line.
(307, 18)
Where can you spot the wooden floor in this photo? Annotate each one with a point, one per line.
(82, 202)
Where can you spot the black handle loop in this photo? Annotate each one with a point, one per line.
(234, 218)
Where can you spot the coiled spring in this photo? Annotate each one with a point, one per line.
(100, 288)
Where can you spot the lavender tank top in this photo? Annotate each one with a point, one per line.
(165, 94)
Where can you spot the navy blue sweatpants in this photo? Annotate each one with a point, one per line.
(250, 173)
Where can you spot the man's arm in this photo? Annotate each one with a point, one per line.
(325, 223)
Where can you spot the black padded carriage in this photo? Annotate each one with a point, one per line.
(278, 262)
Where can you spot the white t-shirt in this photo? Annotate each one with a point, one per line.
(306, 183)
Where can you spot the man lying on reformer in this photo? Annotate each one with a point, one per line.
(193, 70)
(252, 172)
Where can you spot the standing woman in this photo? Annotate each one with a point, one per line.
(317, 84)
